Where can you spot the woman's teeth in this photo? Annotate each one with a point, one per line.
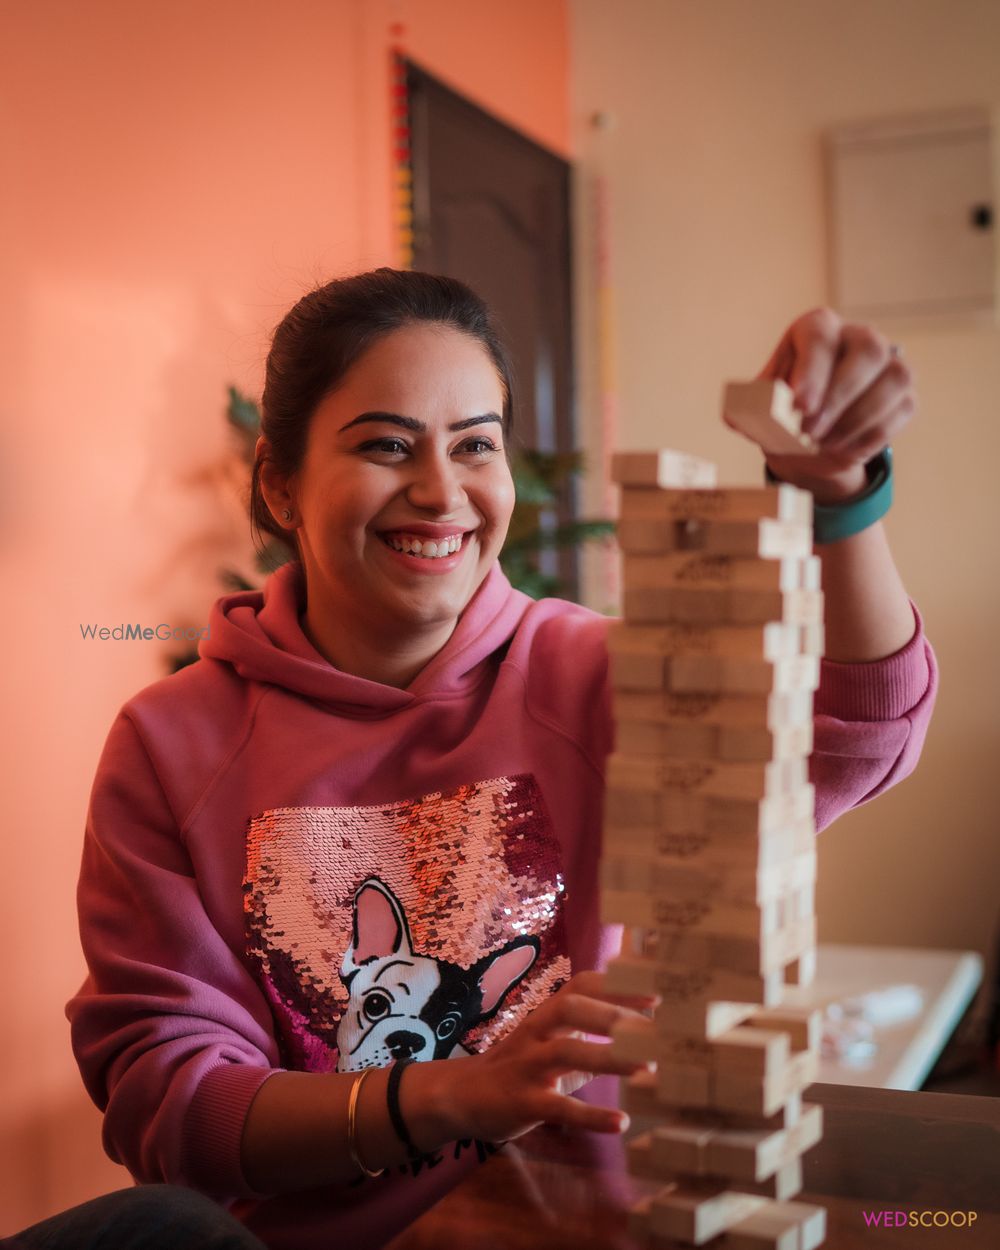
(426, 549)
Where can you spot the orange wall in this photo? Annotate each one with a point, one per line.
(181, 172)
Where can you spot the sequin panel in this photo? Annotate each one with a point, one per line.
(420, 927)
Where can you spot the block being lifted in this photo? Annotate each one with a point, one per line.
(764, 410)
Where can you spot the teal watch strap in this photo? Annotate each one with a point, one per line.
(833, 522)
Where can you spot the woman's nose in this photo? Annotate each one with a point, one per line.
(436, 485)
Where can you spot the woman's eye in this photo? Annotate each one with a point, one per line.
(483, 444)
(479, 447)
(376, 1005)
(391, 445)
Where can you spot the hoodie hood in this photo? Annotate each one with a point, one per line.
(259, 633)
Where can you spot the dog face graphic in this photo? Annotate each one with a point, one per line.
(404, 1005)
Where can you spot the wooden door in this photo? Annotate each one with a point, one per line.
(492, 208)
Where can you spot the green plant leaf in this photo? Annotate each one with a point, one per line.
(572, 534)
(234, 581)
(244, 417)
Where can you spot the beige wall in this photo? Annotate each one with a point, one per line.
(182, 172)
(714, 165)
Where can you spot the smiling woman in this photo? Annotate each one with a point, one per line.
(359, 839)
(396, 533)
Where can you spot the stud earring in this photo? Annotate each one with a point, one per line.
(285, 514)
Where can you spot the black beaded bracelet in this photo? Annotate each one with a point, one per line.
(395, 1114)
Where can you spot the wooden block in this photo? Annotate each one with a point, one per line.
(755, 1155)
(778, 1226)
(802, 971)
(800, 903)
(739, 1049)
(766, 538)
(802, 1024)
(766, 954)
(747, 712)
(781, 503)
(719, 816)
(712, 883)
(687, 915)
(712, 606)
(694, 1073)
(695, 674)
(638, 1222)
(764, 1097)
(686, 1142)
(748, 1155)
(662, 469)
(678, 985)
(679, 1148)
(762, 1052)
(764, 410)
(705, 849)
(772, 640)
(670, 799)
(787, 1115)
(696, 1215)
(640, 1093)
(639, 1152)
(670, 778)
(711, 814)
(757, 955)
(812, 639)
(785, 1183)
(812, 574)
(684, 1084)
(693, 1143)
(709, 570)
(713, 742)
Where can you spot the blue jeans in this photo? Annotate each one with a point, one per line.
(147, 1217)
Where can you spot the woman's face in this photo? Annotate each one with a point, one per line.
(408, 448)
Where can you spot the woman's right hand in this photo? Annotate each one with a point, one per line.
(517, 1083)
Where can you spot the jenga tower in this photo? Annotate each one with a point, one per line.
(709, 849)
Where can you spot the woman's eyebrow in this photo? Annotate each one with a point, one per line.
(418, 427)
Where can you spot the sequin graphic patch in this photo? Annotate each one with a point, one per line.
(417, 928)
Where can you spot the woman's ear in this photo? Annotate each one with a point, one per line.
(274, 487)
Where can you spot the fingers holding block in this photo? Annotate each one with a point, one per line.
(764, 410)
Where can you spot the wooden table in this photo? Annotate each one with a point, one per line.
(881, 1149)
(907, 1050)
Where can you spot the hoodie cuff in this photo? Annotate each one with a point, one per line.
(879, 690)
(213, 1129)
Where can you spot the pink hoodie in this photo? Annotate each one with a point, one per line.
(287, 867)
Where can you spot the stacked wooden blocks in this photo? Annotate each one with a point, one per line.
(709, 854)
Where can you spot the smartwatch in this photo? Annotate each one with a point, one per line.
(833, 522)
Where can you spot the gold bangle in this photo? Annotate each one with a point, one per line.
(352, 1114)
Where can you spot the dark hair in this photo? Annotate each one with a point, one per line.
(326, 332)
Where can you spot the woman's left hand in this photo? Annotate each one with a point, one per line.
(856, 393)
